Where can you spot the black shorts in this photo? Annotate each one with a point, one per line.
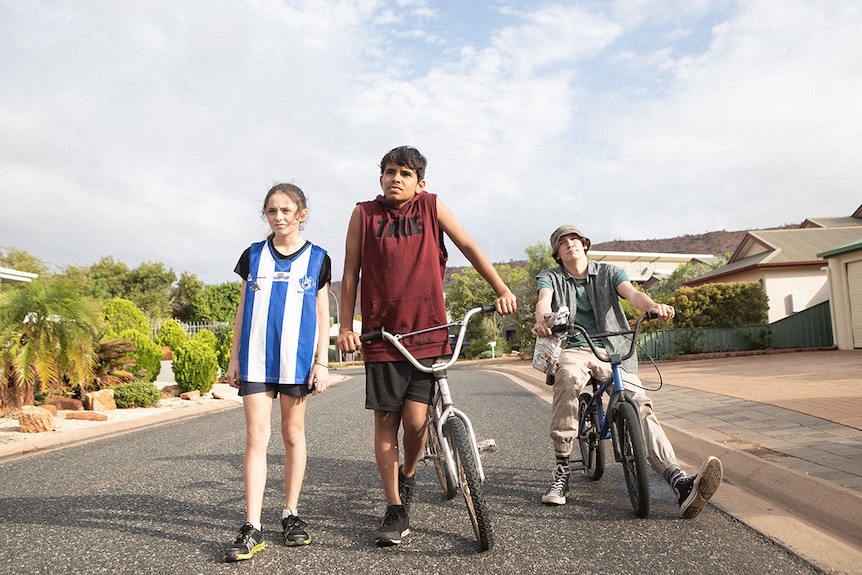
(389, 383)
(296, 390)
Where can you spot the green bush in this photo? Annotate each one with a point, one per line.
(195, 366)
(172, 335)
(121, 314)
(224, 334)
(137, 394)
(207, 337)
(480, 349)
(720, 305)
(689, 340)
(147, 355)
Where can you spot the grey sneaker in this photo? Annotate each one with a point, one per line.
(405, 489)
(396, 525)
(248, 542)
(693, 491)
(294, 531)
(556, 494)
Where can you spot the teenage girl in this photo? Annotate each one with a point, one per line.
(280, 349)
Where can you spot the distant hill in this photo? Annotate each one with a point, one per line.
(715, 243)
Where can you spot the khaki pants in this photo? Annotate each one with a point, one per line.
(576, 368)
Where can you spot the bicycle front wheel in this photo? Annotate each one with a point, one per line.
(590, 440)
(630, 439)
(471, 484)
(434, 447)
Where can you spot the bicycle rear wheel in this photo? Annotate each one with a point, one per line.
(630, 439)
(471, 484)
(434, 451)
(590, 441)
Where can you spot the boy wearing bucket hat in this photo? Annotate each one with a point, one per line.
(592, 290)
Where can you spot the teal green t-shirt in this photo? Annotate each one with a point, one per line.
(584, 314)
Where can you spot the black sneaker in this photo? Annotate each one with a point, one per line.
(693, 491)
(248, 542)
(294, 531)
(396, 525)
(556, 494)
(405, 489)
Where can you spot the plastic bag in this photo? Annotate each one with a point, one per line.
(546, 357)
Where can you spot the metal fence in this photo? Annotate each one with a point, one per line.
(809, 328)
(191, 328)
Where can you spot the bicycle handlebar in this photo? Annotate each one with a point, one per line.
(395, 339)
(604, 355)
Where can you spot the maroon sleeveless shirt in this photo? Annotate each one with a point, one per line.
(403, 258)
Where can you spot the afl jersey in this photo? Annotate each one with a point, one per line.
(279, 320)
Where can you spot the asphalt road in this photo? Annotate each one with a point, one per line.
(169, 499)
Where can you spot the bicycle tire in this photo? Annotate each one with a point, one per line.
(592, 451)
(634, 456)
(471, 484)
(434, 447)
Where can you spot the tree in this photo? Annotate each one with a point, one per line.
(150, 286)
(47, 333)
(216, 303)
(467, 289)
(108, 278)
(188, 287)
(23, 262)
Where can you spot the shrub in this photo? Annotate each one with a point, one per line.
(688, 340)
(225, 341)
(195, 366)
(122, 314)
(137, 394)
(147, 355)
(720, 304)
(480, 349)
(172, 335)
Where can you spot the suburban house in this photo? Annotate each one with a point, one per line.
(646, 268)
(791, 265)
(845, 286)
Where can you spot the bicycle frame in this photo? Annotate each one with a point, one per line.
(614, 387)
(439, 371)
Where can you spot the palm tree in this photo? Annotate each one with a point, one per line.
(47, 335)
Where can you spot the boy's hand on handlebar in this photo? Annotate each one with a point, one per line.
(663, 311)
(506, 303)
(542, 328)
(348, 341)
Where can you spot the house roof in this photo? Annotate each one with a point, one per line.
(847, 248)
(832, 222)
(855, 219)
(784, 247)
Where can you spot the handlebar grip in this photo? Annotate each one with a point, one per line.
(488, 308)
(371, 335)
(650, 315)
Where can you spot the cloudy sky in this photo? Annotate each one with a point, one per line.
(151, 131)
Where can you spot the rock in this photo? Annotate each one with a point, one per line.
(50, 407)
(87, 416)
(66, 403)
(193, 395)
(170, 391)
(217, 395)
(35, 420)
(102, 400)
